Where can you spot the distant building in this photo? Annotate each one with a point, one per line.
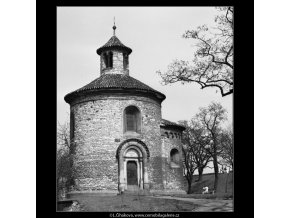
(120, 139)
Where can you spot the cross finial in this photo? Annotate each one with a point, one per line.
(114, 27)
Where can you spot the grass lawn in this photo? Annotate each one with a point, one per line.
(132, 203)
(220, 201)
(225, 184)
(135, 203)
(222, 196)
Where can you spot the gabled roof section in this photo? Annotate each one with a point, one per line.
(167, 123)
(114, 42)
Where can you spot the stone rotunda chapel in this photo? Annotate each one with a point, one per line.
(120, 141)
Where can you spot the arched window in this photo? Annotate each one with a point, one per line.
(108, 59)
(125, 60)
(132, 119)
(72, 125)
(105, 58)
(174, 157)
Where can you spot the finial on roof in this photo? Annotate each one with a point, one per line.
(114, 27)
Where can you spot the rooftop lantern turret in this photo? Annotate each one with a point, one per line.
(114, 78)
(114, 56)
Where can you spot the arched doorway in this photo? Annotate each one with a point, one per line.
(132, 158)
(133, 168)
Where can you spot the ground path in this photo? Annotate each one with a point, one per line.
(214, 205)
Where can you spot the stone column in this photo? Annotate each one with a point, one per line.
(138, 171)
(121, 176)
(163, 163)
(146, 181)
(141, 174)
(125, 182)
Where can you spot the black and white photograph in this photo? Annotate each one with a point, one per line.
(145, 109)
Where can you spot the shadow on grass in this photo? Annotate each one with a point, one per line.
(127, 203)
(223, 196)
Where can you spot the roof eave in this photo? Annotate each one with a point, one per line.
(75, 94)
(181, 128)
(102, 49)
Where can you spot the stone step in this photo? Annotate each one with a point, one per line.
(137, 191)
(132, 188)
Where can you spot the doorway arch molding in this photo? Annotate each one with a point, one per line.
(133, 142)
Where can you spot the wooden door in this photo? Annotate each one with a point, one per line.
(132, 177)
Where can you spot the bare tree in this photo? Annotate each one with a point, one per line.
(193, 138)
(227, 153)
(63, 136)
(212, 65)
(189, 165)
(64, 170)
(211, 118)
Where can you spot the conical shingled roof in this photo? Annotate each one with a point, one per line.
(114, 42)
(115, 81)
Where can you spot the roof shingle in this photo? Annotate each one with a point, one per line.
(171, 124)
(114, 42)
(116, 81)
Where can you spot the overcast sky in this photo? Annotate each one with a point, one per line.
(155, 36)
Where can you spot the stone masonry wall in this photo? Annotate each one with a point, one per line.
(118, 66)
(173, 178)
(99, 132)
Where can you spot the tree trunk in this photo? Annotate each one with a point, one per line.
(232, 180)
(189, 181)
(227, 183)
(57, 192)
(216, 172)
(57, 188)
(189, 189)
(200, 172)
(70, 176)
